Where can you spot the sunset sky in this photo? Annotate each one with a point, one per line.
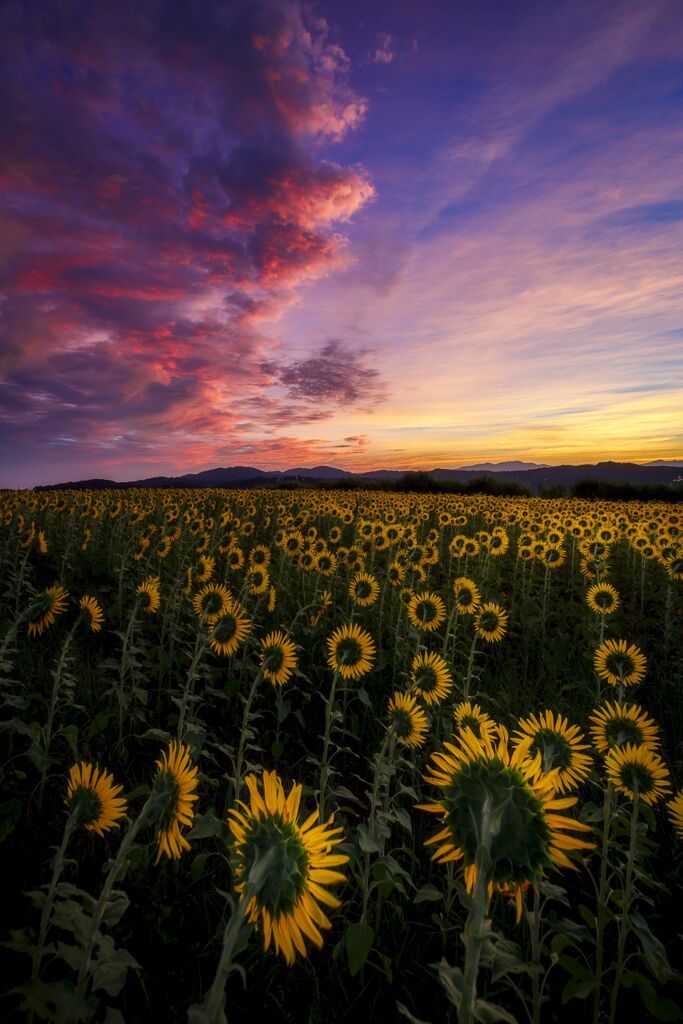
(389, 234)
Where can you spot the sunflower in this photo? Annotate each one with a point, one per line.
(488, 789)
(91, 609)
(94, 798)
(431, 678)
(426, 611)
(283, 866)
(602, 599)
(258, 580)
(175, 782)
(351, 651)
(396, 573)
(675, 812)
(211, 602)
(207, 564)
(407, 721)
(234, 557)
(638, 769)
(42, 542)
(553, 557)
(319, 607)
(620, 663)
(229, 630)
(470, 716)
(260, 555)
(593, 568)
(148, 590)
(467, 596)
(45, 608)
(560, 746)
(363, 589)
(278, 658)
(491, 622)
(272, 599)
(616, 724)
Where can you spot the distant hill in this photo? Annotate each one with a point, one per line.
(503, 467)
(661, 473)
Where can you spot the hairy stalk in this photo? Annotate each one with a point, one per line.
(602, 910)
(626, 906)
(473, 933)
(57, 868)
(52, 710)
(239, 761)
(324, 763)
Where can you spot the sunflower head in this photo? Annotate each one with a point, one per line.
(500, 799)
(351, 651)
(430, 678)
(426, 611)
(491, 622)
(148, 595)
(282, 865)
(470, 716)
(174, 793)
(620, 663)
(602, 599)
(363, 589)
(407, 721)
(278, 658)
(559, 745)
(615, 724)
(638, 770)
(467, 596)
(92, 613)
(212, 601)
(93, 798)
(229, 630)
(44, 609)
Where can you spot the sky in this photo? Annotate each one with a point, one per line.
(387, 235)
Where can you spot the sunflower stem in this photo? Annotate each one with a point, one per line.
(379, 764)
(602, 909)
(52, 710)
(124, 665)
(57, 868)
(324, 766)
(117, 866)
(474, 931)
(214, 1004)
(626, 906)
(188, 689)
(536, 956)
(470, 666)
(239, 762)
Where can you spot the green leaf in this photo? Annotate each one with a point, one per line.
(358, 940)
(428, 894)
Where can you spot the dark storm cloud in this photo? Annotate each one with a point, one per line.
(336, 374)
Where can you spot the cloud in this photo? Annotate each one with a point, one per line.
(162, 196)
(335, 374)
(384, 50)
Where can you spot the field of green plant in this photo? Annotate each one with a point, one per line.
(330, 756)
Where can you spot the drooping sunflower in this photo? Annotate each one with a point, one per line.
(278, 658)
(229, 630)
(272, 600)
(560, 746)
(491, 622)
(175, 783)
(258, 580)
(44, 608)
(603, 599)
(211, 601)
(94, 798)
(616, 724)
(491, 794)
(407, 721)
(363, 589)
(426, 611)
(92, 610)
(638, 770)
(320, 606)
(675, 811)
(430, 677)
(351, 651)
(470, 716)
(148, 595)
(620, 663)
(282, 866)
(467, 596)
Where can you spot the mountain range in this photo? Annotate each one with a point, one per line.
(530, 474)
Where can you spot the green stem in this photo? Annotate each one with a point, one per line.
(239, 762)
(371, 824)
(623, 921)
(470, 666)
(57, 868)
(536, 956)
(52, 710)
(473, 933)
(188, 689)
(324, 765)
(602, 902)
(214, 1004)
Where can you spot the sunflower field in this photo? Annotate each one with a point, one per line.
(324, 756)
